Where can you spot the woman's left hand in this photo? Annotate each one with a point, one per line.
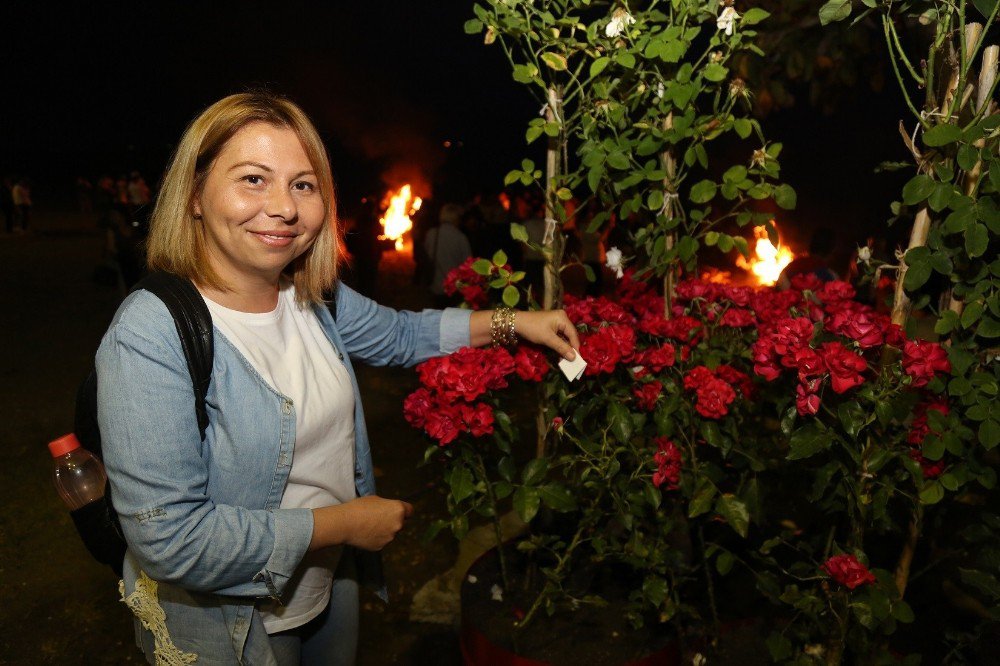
(551, 328)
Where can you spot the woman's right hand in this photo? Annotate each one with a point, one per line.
(369, 523)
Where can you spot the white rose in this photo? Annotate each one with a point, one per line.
(614, 261)
(726, 20)
(620, 20)
(864, 254)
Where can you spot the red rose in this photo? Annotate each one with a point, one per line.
(765, 359)
(737, 318)
(647, 394)
(740, 296)
(712, 399)
(444, 423)
(668, 464)
(894, 335)
(475, 296)
(806, 282)
(688, 290)
(791, 333)
(478, 419)
(844, 365)
(740, 380)
(848, 571)
(624, 337)
(600, 352)
(860, 325)
(931, 469)
(657, 358)
(808, 363)
(530, 364)
(834, 293)
(806, 400)
(415, 407)
(922, 360)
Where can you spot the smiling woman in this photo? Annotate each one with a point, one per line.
(246, 543)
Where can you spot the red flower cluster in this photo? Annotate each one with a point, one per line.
(445, 406)
(922, 360)
(604, 349)
(713, 395)
(467, 282)
(593, 312)
(647, 394)
(919, 430)
(668, 464)
(848, 571)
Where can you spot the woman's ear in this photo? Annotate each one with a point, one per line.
(196, 208)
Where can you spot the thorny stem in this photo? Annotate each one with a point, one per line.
(481, 468)
(899, 77)
(906, 61)
(906, 556)
(563, 562)
(709, 583)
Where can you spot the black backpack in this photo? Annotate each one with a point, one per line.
(97, 522)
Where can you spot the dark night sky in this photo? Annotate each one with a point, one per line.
(98, 87)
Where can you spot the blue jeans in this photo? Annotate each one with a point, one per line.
(330, 638)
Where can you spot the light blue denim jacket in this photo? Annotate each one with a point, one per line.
(201, 517)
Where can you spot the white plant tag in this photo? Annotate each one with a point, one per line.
(573, 369)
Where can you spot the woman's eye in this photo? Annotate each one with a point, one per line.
(304, 186)
(254, 180)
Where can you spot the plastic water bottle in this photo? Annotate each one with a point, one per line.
(79, 476)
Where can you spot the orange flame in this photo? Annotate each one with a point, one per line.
(396, 221)
(768, 261)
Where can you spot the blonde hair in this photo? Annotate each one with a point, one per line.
(176, 241)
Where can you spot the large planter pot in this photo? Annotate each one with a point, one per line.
(587, 636)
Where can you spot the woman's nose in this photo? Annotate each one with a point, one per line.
(280, 203)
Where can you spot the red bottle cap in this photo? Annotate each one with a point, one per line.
(63, 445)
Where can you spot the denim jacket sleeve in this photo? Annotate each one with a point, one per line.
(159, 475)
(377, 335)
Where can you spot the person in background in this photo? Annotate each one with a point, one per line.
(447, 248)
(816, 261)
(246, 545)
(21, 194)
(7, 203)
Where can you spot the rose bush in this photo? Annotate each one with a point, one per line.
(779, 442)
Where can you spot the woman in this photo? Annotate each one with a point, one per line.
(243, 547)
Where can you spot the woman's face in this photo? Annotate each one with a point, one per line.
(261, 204)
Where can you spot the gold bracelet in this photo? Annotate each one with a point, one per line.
(502, 327)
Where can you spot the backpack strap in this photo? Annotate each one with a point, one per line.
(194, 326)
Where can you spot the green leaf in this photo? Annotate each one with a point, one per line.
(687, 247)
(473, 27)
(977, 239)
(701, 501)
(941, 197)
(942, 135)
(599, 65)
(511, 296)
(726, 242)
(754, 16)
(620, 420)
(932, 493)
(500, 258)
(534, 471)
(512, 177)
(917, 189)
(519, 232)
(703, 192)
(506, 468)
(807, 441)
(526, 503)
(852, 417)
(714, 72)
(834, 10)
(985, 6)
(785, 197)
(735, 512)
(779, 646)
(557, 497)
(625, 59)
(967, 156)
(989, 434)
(482, 267)
(555, 61)
(655, 200)
(461, 484)
(743, 126)
(724, 562)
(711, 238)
(617, 160)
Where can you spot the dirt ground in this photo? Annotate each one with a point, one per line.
(60, 607)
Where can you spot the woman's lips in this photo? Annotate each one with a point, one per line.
(279, 239)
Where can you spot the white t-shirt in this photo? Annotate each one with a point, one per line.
(289, 349)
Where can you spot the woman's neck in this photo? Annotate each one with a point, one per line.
(256, 297)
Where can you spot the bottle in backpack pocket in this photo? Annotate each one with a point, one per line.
(79, 476)
(81, 482)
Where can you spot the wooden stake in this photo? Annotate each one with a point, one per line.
(553, 240)
(918, 238)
